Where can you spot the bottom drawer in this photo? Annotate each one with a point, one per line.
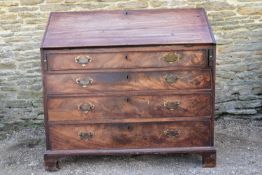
(129, 135)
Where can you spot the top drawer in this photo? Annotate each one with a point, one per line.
(84, 60)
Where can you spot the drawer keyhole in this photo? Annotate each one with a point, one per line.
(129, 128)
(171, 133)
(86, 136)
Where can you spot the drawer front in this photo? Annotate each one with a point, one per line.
(141, 135)
(117, 81)
(74, 61)
(113, 108)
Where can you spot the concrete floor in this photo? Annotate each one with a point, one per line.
(238, 142)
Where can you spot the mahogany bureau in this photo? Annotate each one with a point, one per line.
(128, 82)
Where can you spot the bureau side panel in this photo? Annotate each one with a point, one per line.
(213, 68)
(43, 73)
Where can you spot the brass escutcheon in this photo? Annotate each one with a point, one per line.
(86, 107)
(83, 60)
(171, 105)
(172, 57)
(170, 78)
(86, 136)
(84, 82)
(171, 133)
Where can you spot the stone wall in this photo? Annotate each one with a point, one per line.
(237, 25)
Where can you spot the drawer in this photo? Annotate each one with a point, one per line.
(113, 108)
(129, 135)
(82, 60)
(117, 81)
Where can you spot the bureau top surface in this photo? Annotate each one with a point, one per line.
(127, 28)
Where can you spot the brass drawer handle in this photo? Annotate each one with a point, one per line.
(86, 136)
(171, 78)
(84, 82)
(86, 107)
(171, 133)
(172, 57)
(83, 60)
(171, 105)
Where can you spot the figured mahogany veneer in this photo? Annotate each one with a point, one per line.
(123, 107)
(140, 135)
(72, 61)
(128, 82)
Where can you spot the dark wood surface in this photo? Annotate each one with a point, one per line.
(119, 81)
(142, 135)
(104, 97)
(68, 61)
(144, 49)
(135, 151)
(51, 157)
(112, 108)
(127, 28)
(209, 159)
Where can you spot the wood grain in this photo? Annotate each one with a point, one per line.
(117, 81)
(66, 61)
(142, 135)
(135, 107)
(126, 98)
(209, 159)
(118, 28)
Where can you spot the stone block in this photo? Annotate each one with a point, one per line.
(17, 104)
(55, 7)
(132, 4)
(31, 2)
(256, 10)
(216, 5)
(156, 3)
(4, 66)
(54, 1)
